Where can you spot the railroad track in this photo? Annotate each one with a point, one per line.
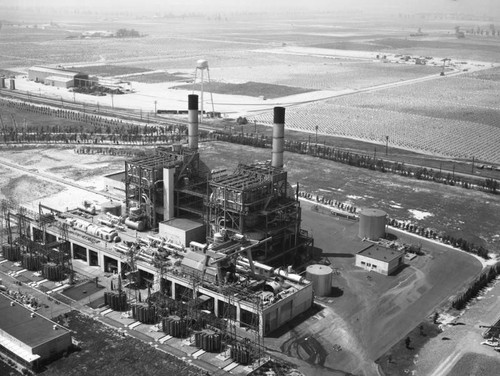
(119, 113)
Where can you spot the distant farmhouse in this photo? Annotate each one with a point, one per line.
(58, 77)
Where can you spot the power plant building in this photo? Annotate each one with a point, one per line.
(226, 240)
(28, 338)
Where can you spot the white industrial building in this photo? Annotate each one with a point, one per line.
(57, 77)
(379, 259)
(28, 338)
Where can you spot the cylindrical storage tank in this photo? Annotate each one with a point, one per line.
(218, 238)
(372, 223)
(112, 207)
(135, 225)
(2, 82)
(321, 277)
(12, 84)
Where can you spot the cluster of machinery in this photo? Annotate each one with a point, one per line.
(201, 241)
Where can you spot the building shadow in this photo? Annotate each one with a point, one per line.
(345, 255)
(336, 292)
(292, 324)
(399, 270)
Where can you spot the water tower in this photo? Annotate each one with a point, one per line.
(202, 65)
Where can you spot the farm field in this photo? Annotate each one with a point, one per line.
(420, 119)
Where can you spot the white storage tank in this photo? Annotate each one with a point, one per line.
(372, 223)
(113, 207)
(321, 277)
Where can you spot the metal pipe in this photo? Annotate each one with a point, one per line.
(278, 137)
(193, 121)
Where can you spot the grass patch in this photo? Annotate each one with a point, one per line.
(82, 291)
(251, 89)
(110, 70)
(97, 303)
(154, 78)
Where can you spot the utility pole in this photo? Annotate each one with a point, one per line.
(316, 135)
(386, 145)
(472, 172)
(155, 108)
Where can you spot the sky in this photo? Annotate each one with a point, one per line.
(223, 6)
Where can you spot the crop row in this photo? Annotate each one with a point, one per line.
(452, 138)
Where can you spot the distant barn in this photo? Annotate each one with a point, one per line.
(58, 77)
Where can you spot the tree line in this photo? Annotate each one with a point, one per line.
(486, 277)
(364, 161)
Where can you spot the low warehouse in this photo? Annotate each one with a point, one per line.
(28, 338)
(379, 259)
(58, 77)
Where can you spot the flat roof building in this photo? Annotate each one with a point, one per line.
(27, 337)
(58, 77)
(379, 259)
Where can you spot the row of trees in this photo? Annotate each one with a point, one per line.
(459, 243)
(365, 161)
(460, 301)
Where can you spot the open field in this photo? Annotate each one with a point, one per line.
(252, 89)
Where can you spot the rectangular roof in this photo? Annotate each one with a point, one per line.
(55, 71)
(380, 253)
(183, 223)
(16, 321)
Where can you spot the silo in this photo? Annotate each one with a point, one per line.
(321, 277)
(372, 223)
(112, 207)
(12, 83)
(2, 82)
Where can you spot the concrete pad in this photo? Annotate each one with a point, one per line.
(231, 366)
(198, 353)
(134, 324)
(165, 339)
(41, 282)
(104, 313)
(60, 288)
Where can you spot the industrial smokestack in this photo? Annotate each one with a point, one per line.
(278, 137)
(193, 121)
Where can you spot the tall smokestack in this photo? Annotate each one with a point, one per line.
(278, 137)
(193, 121)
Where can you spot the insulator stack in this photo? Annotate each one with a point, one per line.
(11, 252)
(32, 262)
(241, 354)
(53, 272)
(117, 301)
(175, 326)
(144, 313)
(208, 340)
